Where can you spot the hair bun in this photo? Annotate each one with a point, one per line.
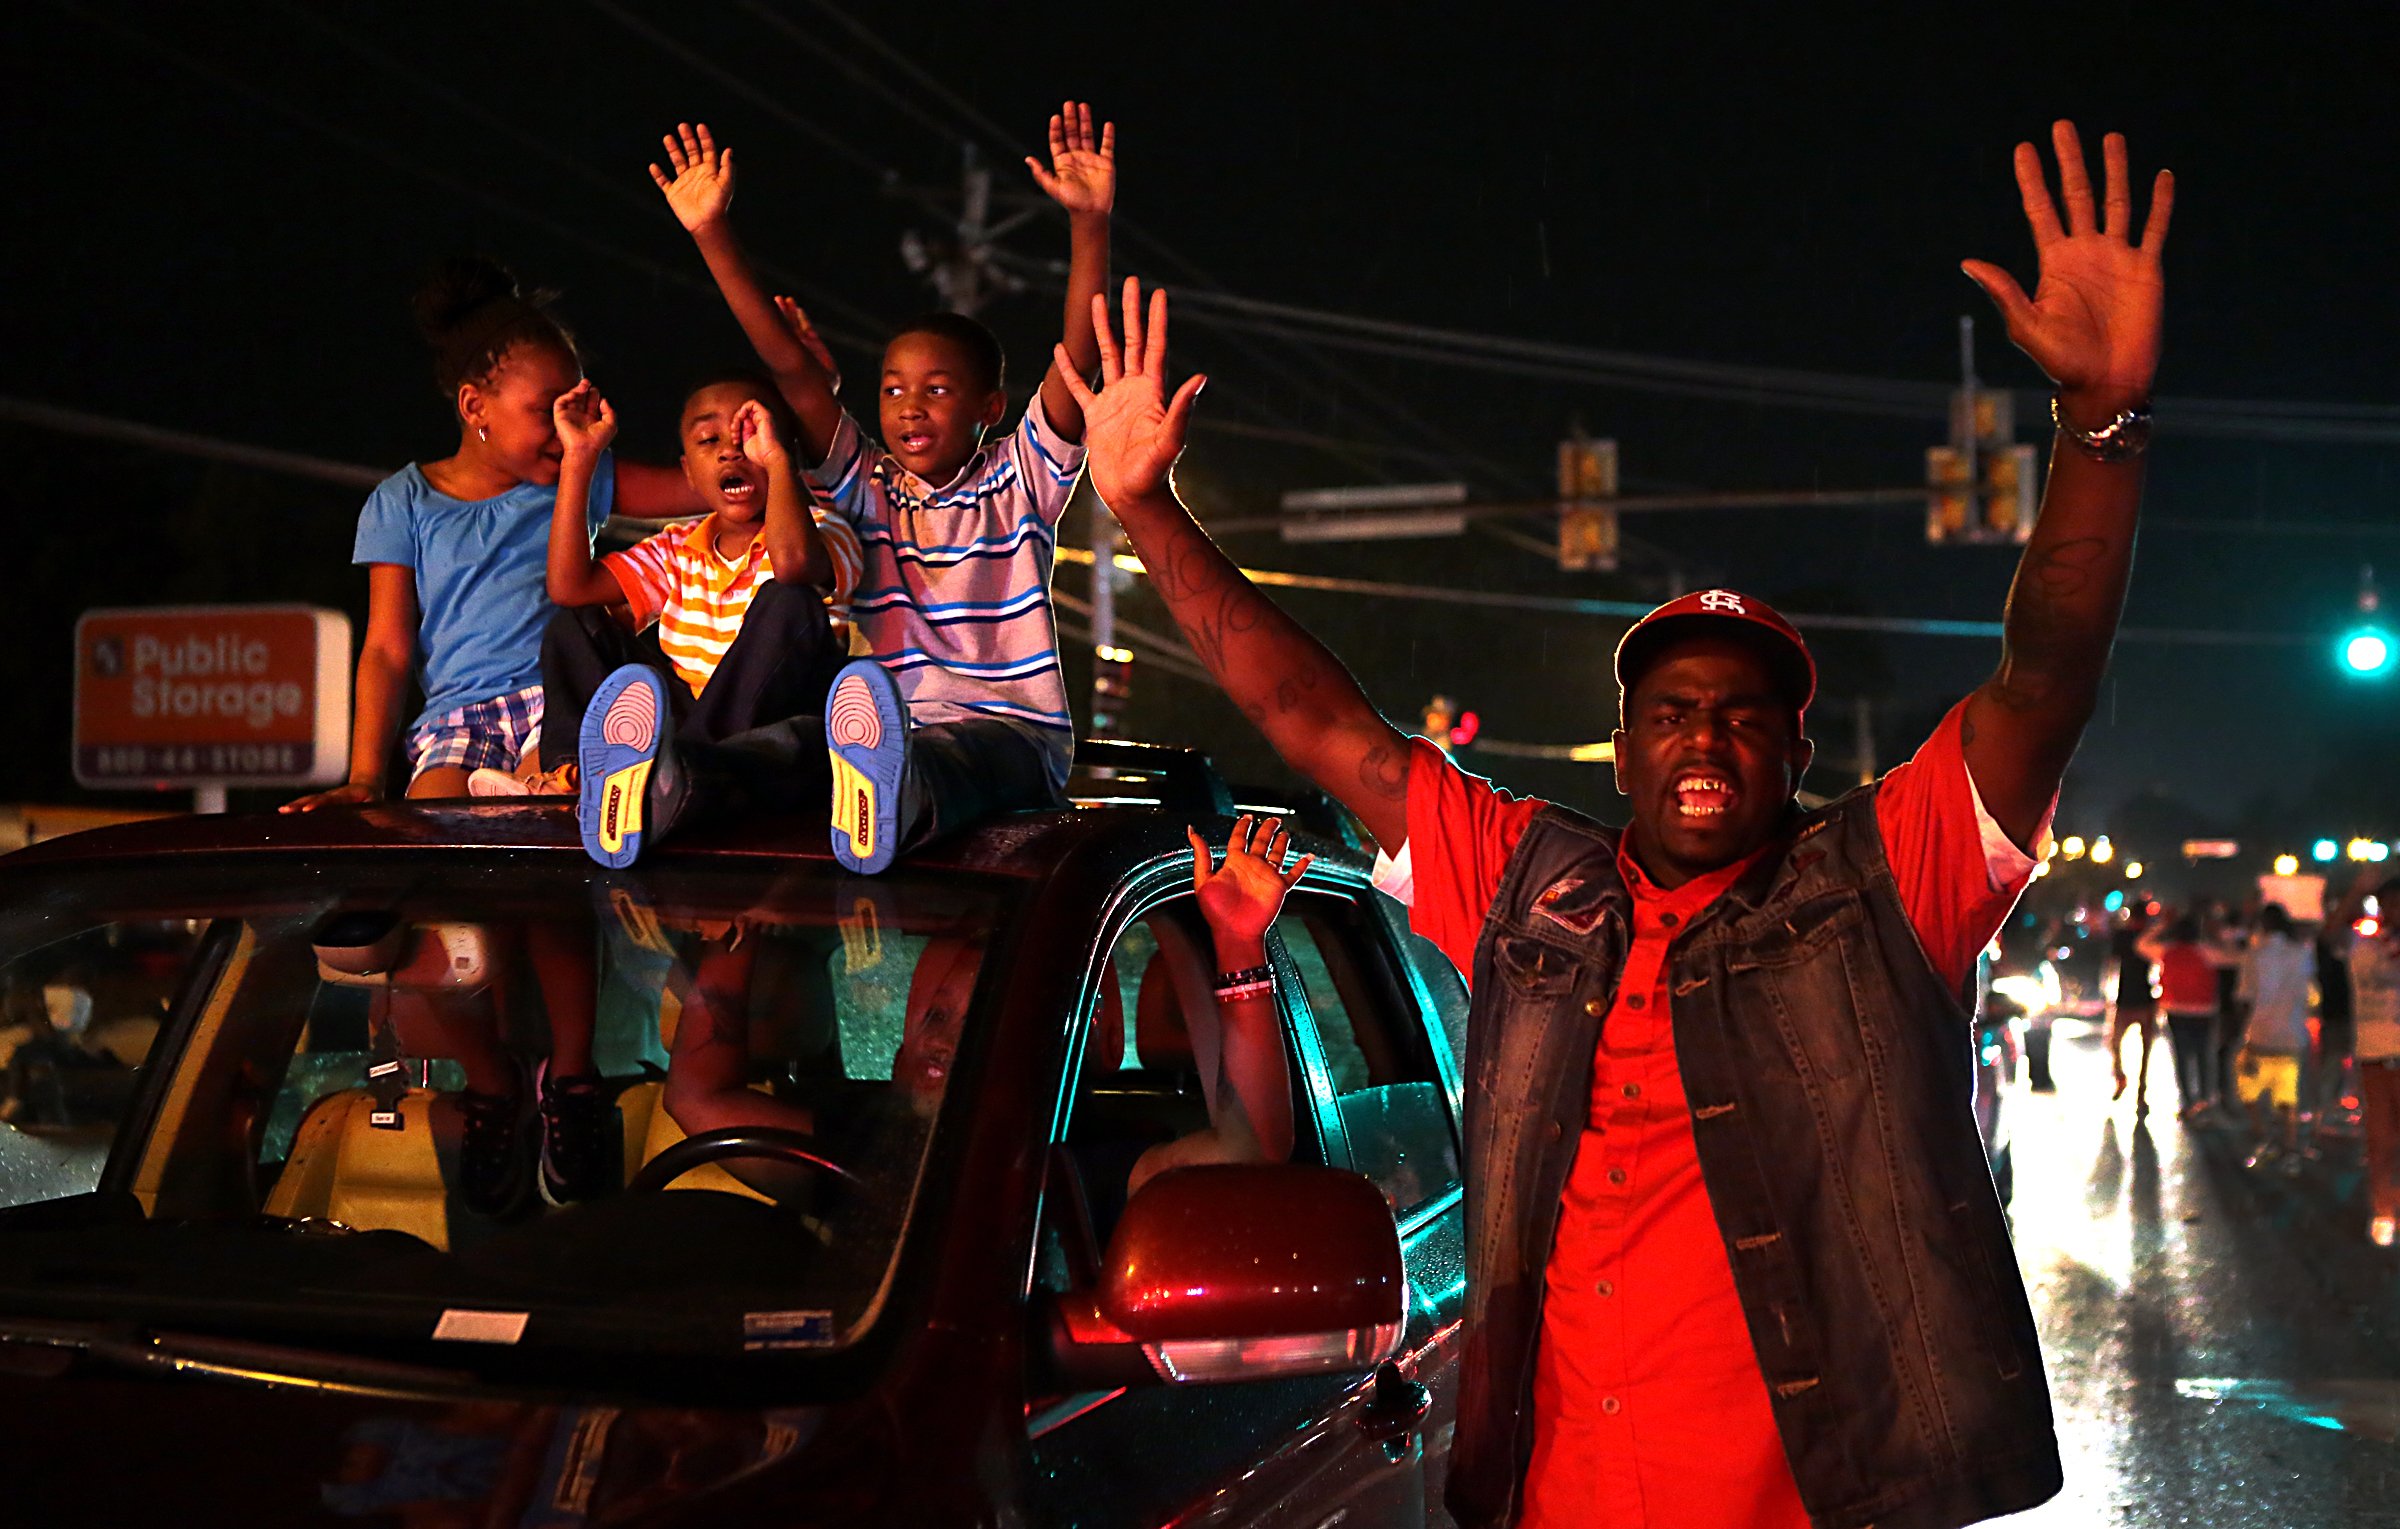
(458, 286)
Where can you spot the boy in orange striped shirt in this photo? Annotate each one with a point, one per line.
(728, 626)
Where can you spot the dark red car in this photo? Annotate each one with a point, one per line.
(239, 1283)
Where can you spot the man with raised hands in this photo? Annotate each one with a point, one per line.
(1735, 1255)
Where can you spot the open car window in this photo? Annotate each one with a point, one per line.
(205, 1113)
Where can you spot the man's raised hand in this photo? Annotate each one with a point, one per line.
(701, 189)
(2093, 321)
(1082, 173)
(1132, 431)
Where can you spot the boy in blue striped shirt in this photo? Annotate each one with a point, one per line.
(962, 709)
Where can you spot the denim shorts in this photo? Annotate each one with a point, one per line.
(491, 734)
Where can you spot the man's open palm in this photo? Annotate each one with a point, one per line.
(1132, 432)
(2093, 321)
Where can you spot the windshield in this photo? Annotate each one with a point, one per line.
(323, 1099)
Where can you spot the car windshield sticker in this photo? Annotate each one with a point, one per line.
(786, 1329)
(481, 1326)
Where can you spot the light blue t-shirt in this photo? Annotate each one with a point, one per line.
(481, 598)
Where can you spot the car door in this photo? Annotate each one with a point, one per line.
(1290, 1451)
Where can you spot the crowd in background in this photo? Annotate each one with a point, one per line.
(2284, 1030)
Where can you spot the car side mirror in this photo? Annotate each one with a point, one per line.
(1237, 1273)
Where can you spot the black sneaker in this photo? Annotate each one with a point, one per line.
(583, 1140)
(491, 1151)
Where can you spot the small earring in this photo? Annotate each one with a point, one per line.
(482, 434)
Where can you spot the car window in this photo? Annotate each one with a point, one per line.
(1148, 1071)
(1386, 1082)
(311, 1074)
(80, 1014)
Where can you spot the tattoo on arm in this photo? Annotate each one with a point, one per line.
(2055, 627)
(1384, 771)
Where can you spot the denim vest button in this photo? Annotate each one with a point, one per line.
(1594, 1007)
(1610, 1405)
(1616, 1175)
(1669, 919)
(1633, 1090)
(1605, 1288)
(1634, 1000)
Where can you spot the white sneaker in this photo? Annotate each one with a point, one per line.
(490, 782)
(2380, 1230)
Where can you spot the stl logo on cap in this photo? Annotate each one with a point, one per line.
(1723, 600)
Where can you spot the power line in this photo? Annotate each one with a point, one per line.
(996, 141)
(1628, 610)
(126, 432)
(2254, 419)
(817, 298)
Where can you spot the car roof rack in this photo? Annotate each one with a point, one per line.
(1184, 780)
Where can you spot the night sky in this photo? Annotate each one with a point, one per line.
(217, 214)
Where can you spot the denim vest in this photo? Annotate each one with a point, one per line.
(1830, 1075)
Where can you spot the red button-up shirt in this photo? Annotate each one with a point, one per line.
(1649, 1407)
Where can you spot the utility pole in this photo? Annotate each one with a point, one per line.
(964, 272)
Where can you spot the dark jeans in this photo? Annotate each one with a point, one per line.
(778, 666)
(960, 773)
(2232, 1020)
(2194, 1039)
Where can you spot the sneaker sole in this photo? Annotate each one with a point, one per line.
(866, 733)
(615, 747)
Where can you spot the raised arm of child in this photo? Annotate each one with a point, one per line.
(586, 424)
(700, 193)
(1082, 178)
(1252, 1119)
(794, 546)
(383, 660)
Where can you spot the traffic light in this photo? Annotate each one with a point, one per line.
(2366, 651)
(1982, 487)
(1587, 531)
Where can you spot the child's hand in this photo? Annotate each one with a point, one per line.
(795, 319)
(1132, 432)
(1241, 897)
(1082, 176)
(586, 424)
(338, 796)
(701, 189)
(754, 431)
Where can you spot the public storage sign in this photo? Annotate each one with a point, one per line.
(194, 695)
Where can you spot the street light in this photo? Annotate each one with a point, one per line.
(2367, 652)
(2287, 865)
(2103, 851)
(2071, 847)
(2133, 870)
(2323, 851)
(2364, 849)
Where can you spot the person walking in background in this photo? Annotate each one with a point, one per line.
(2187, 983)
(2267, 1072)
(2323, 1091)
(2228, 934)
(2134, 1006)
(2372, 966)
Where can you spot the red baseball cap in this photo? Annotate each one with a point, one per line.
(1719, 609)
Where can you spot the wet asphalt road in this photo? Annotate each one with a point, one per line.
(2223, 1345)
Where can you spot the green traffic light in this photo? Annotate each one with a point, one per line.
(2367, 652)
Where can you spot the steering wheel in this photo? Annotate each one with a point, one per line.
(791, 1147)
